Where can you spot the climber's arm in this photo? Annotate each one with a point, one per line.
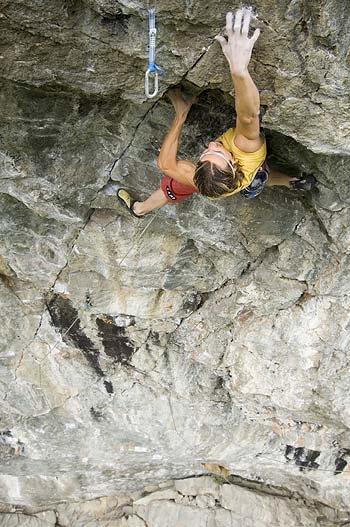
(238, 50)
(167, 159)
(168, 163)
(247, 102)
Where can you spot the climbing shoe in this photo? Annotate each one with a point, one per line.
(305, 182)
(127, 201)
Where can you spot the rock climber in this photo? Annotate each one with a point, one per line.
(235, 162)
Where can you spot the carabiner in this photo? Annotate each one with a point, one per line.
(155, 83)
(152, 66)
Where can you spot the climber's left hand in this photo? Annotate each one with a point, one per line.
(238, 47)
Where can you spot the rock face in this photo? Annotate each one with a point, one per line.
(213, 333)
(193, 501)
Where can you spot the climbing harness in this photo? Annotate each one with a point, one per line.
(153, 69)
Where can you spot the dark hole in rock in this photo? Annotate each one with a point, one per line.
(65, 317)
(340, 464)
(302, 457)
(340, 461)
(108, 386)
(96, 414)
(211, 115)
(115, 23)
(114, 341)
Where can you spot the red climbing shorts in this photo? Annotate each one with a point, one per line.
(175, 191)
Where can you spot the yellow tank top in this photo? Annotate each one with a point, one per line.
(250, 162)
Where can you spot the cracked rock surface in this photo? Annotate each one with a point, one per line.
(207, 338)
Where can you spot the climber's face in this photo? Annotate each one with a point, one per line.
(219, 156)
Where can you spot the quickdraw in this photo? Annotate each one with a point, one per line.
(153, 69)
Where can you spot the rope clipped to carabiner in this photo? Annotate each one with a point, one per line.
(153, 69)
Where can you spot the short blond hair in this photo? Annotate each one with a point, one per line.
(215, 182)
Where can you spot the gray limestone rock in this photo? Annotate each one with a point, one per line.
(213, 333)
(40, 519)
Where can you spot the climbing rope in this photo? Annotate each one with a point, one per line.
(59, 340)
(135, 245)
(153, 69)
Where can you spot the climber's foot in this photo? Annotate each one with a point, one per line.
(127, 202)
(305, 182)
